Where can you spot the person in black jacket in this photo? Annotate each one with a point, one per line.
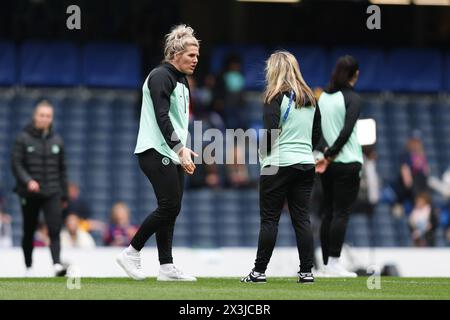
(39, 167)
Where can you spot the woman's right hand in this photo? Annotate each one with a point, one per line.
(322, 165)
(33, 186)
(185, 157)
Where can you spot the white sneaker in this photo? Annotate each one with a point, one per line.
(29, 273)
(322, 272)
(131, 263)
(336, 270)
(173, 274)
(60, 270)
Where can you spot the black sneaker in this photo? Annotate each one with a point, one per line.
(305, 277)
(255, 277)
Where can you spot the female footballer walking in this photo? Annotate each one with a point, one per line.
(292, 123)
(162, 152)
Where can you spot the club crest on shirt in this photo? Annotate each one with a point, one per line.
(30, 149)
(55, 149)
(165, 161)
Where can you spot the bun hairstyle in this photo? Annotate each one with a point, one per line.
(177, 41)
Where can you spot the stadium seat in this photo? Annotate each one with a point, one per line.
(401, 71)
(7, 64)
(111, 65)
(314, 64)
(49, 64)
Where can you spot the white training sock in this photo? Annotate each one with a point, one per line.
(131, 250)
(166, 267)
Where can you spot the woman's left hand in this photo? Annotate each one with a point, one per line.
(185, 157)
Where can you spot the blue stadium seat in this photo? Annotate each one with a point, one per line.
(402, 72)
(8, 74)
(111, 65)
(314, 64)
(49, 64)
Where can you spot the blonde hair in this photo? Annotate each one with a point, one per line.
(118, 206)
(43, 103)
(177, 41)
(283, 74)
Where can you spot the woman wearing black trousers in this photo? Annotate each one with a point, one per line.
(39, 167)
(292, 124)
(341, 166)
(161, 151)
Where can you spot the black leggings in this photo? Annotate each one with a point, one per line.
(340, 183)
(293, 185)
(167, 180)
(31, 206)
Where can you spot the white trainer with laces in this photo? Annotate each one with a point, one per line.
(131, 263)
(171, 273)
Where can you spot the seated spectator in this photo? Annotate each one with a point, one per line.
(442, 186)
(5, 226)
(202, 103)
(369, 191)
(237, 171)
(73, 236)
(5, 231)
(120, 231)
(423, 221)
(78, 206)
(41, 237)
(413, 174)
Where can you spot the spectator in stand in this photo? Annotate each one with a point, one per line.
(5, 226)
(369, 190)
(120, 231)
(237, 172)
(73, 236)
(77, 205)
(423, 221)
(5, 231)
(442, 186)
(229, 93)
(201, 102)
(41, 237)
(413, 175)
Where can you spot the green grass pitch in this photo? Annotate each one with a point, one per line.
(224, 289)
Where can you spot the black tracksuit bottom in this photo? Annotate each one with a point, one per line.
(167, 180)
(340, 183)
(293, 185)
(52, 208)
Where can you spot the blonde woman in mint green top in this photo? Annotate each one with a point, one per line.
(292, 122)
(161, 151)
